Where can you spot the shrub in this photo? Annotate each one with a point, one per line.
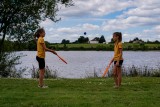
(8, 60)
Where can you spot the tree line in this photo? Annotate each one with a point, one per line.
(83, 39)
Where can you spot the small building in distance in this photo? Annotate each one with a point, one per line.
(94, 41)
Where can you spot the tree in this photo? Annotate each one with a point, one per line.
(64, 41)
(102, 39)
(21, 34)
(83, 39)
(18, 20)
(14, 13)
(112, 41)
(156, 41)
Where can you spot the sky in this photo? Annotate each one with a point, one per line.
(134, 18)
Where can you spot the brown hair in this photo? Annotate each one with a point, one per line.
(37, 34)
(119, 34)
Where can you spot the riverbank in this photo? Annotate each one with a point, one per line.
(106, 47)
(97, 92)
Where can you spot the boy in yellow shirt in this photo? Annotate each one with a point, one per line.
(117, 59)
(41, 48)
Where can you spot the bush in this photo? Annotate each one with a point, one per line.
(8, 60)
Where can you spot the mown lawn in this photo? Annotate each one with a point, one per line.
(99, 92)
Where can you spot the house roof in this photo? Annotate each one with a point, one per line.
(95, 39)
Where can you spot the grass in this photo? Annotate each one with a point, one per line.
(109, 47)
(97, 92)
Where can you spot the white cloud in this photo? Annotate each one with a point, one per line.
(70, 33)
(148, 34)
(128, 36)
(88, 26)
(132, 21)
(144, 13)
(83, 8)
(47, 23)
(153, 33)
(135, 13)
(67, 30)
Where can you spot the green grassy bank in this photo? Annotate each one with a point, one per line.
(98, 92)
(106, 47)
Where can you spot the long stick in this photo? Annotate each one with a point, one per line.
(61, 59)
(105, 72)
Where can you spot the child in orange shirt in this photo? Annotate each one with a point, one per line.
(41, 48)
(117, 59)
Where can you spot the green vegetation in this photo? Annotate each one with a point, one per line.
(106, 47)
(18, 21)
(99, 92)
(20, 18)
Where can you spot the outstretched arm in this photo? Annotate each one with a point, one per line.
(47, 49)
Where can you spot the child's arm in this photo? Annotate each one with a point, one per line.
(47, 49)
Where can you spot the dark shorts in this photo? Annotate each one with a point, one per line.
(41, 62)
(120, 62)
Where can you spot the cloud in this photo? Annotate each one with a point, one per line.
(128, 36)
(47, 23)
(153, 33)
(93, 8)
(131, 21)
(147, 34)
(88, 26)
(70, 33)
(144, 14)
(68, 30)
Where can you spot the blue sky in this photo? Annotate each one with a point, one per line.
(134, 18)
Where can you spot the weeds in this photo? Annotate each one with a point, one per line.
(132, 71)
(48, 73)
(8, 61)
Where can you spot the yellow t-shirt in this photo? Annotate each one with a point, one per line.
(40, 50)
(117, 54)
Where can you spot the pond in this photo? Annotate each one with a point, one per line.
(81, 63)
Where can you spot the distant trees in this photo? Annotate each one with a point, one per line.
(64, 41)
(152, 42)
(102, 39)
(82, 39)
(136, 40)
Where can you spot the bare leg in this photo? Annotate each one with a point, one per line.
(41, 77)
(115, 75)
(119, 76)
